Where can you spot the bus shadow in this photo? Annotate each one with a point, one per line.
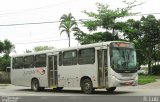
(96, 92)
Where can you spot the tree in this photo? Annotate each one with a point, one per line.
(5, 47)
(8, 47)
(42, 48)
(145, 33)
(106, 19)
(96, 37)
(151, 31)
(67, 24)
(4, 62)
(1, 46)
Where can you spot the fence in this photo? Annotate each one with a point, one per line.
(4, 77)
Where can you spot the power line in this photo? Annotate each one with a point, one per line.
(42, 41)
(36, 23)
(37, 8)
(32, 23)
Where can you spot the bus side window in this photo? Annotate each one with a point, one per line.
(28, 61)
(105, 58)
(60, 58)
(40, 60)
(13, 63)
(18, 63)
(86, 56)
(70, 57)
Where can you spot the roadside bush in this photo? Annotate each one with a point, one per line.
(156, 70)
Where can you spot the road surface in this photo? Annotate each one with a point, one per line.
(140, 93)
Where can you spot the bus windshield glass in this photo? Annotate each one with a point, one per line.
(123, 59)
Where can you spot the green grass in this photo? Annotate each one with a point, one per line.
(145, 79)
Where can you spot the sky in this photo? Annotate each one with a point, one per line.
(31, 11)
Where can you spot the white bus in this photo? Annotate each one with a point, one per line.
(105, 65)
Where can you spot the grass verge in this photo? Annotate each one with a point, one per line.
(145, 79)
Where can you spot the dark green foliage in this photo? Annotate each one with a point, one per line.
(156, 70)
(97, 37)
(5, 48)
(145, 34)
(4, 62)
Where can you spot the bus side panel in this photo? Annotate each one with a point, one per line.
(17, 77)
(23, 77)
(42, 76)
(68, 76)
(89, 70)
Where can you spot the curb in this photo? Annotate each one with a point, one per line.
(5, 84)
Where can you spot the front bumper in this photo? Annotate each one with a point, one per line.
(114, 82)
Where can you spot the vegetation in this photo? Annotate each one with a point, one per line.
(6, 47)
(144, 33)
(68, 24)
(41, 48)
(106, 19)
(156, 70)
(145, 79)
(106, 25)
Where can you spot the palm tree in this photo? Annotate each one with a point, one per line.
(67, 24)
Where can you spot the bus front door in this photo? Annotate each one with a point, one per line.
(52, 71)
(102, 67)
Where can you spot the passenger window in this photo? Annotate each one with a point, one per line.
(86, 56)
(40, 60)
(60, 58)
(18, 63)
(28, 61)
(70, 57)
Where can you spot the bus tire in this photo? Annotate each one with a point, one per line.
(111, 89)
(87, 86)
(35, 85)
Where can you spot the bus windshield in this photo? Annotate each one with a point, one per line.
(123, 59)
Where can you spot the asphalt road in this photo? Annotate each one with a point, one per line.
(152, 89)
(140, 92)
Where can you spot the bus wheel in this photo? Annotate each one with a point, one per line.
(35, 85)
(111, 89)
(87, 86)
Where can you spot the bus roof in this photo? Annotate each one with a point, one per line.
(69, 48)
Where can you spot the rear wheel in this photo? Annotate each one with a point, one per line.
(87, 86)
(35, 85)
(111, 89)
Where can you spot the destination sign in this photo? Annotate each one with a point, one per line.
(122, 44)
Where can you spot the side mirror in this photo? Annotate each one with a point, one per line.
(8, 69)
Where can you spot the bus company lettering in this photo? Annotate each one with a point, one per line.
(40, 70)
(29, 72)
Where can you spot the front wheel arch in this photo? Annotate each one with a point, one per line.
(87, 86)
(35, 86)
